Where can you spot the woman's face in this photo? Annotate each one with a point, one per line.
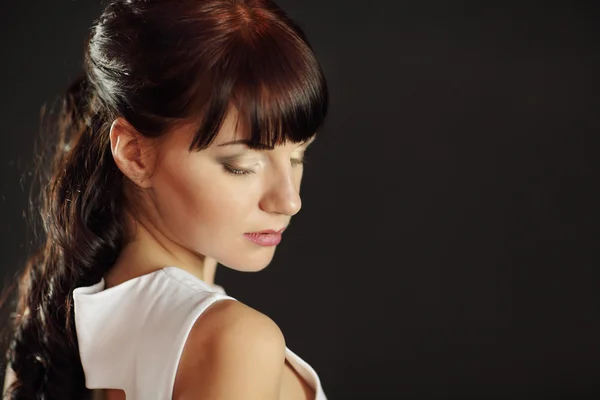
(206, 201)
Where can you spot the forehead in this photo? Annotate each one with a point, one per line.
(234, 127)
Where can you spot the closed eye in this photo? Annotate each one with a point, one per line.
(237, 171)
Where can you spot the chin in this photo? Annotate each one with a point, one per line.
(245, 268)
(249, 265)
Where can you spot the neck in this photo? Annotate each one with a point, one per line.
(148, 250)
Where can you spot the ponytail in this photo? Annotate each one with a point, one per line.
(80, 210)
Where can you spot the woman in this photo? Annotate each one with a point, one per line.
(181, 147)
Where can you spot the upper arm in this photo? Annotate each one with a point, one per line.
(232, 352)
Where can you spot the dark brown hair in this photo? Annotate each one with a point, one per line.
(156, 63)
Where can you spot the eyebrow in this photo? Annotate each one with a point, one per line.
(259, 146)
(253, 146)
(239, 141)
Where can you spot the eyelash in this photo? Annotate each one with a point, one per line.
(243, 172)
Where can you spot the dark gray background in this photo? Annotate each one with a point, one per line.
(448, 243)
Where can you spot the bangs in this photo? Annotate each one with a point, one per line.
(275, 83)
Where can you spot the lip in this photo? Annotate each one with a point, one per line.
(267, 237)
(267, 231)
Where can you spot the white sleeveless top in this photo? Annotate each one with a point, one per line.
(131, 336)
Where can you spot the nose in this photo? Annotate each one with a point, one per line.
(283, 197)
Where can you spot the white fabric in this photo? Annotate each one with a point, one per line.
(131, 336)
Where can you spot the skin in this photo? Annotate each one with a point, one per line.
(190, 212)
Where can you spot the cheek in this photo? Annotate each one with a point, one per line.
(199, 204)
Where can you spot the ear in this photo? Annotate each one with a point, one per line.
(132, 152)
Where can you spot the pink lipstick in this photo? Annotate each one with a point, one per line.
(265, 238)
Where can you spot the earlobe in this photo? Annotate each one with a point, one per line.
(126, 145)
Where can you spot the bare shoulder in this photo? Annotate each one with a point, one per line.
(232, 352)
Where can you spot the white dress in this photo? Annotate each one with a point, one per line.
(131, 336)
